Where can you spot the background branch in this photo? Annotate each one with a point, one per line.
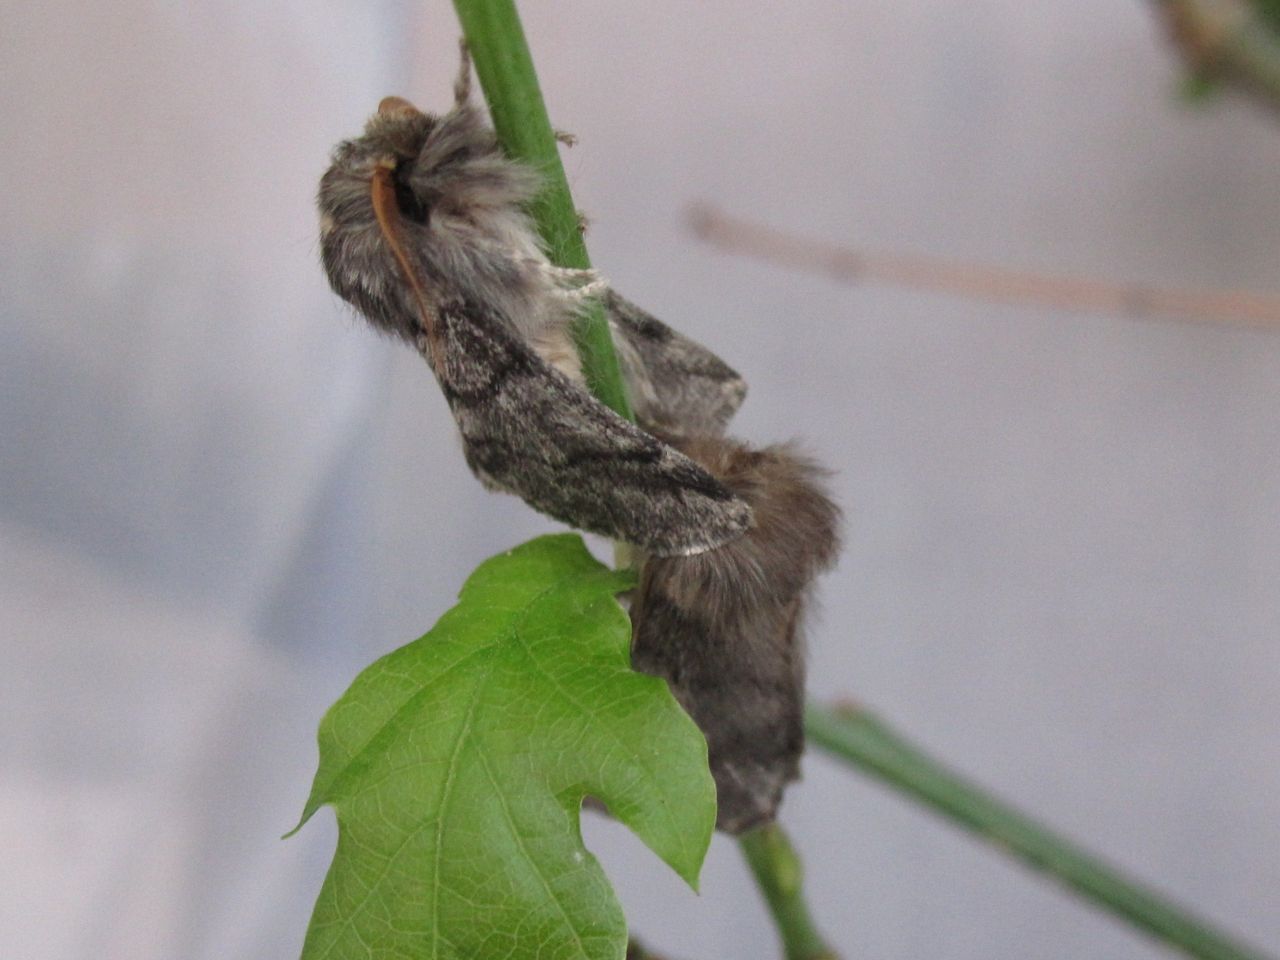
(858, 737)
(980, 281)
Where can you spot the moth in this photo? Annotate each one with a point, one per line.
(424, 230)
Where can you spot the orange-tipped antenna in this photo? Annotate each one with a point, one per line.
(383, 195)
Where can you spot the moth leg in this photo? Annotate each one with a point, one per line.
(596, 288)
(567, 138)
(462, 85)
(573, 285)
(577, 296)
(569, 274)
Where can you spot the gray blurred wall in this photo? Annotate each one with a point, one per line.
(220, 496)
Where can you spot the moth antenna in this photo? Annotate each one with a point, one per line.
(462, 86)
(383, 195)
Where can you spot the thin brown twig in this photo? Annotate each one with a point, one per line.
(979, 281)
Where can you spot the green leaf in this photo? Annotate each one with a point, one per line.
(457, 766)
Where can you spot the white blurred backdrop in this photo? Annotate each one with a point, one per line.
(221, 496)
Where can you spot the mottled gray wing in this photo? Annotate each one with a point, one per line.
(529, 430)
(678, 387)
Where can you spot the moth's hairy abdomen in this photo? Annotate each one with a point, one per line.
(724, 628)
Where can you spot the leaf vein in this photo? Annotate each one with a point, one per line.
(529, 858)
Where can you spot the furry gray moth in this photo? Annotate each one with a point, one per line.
(424, 230)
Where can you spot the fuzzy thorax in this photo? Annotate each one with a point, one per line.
(462, 226)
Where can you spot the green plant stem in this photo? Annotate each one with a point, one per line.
(779, 875)
(857, 736)
(496, 40)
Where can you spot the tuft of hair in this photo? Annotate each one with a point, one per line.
(724, 628)
(463, 222)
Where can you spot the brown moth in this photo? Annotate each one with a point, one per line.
(424, 230)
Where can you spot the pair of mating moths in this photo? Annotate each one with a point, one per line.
(424, 231)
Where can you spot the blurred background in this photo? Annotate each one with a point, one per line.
(221, 495)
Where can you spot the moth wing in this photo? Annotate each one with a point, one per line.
(678, 387)
(529, 430)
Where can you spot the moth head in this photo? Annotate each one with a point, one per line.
(357, 247)
(451, 186)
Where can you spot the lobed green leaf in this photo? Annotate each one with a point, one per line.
(458, 764)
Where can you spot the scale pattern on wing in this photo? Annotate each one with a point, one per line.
(677, 386)
(529, 430)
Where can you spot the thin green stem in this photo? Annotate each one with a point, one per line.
(496, 39)
(494, 34)
(779, 875)
(857, 736)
